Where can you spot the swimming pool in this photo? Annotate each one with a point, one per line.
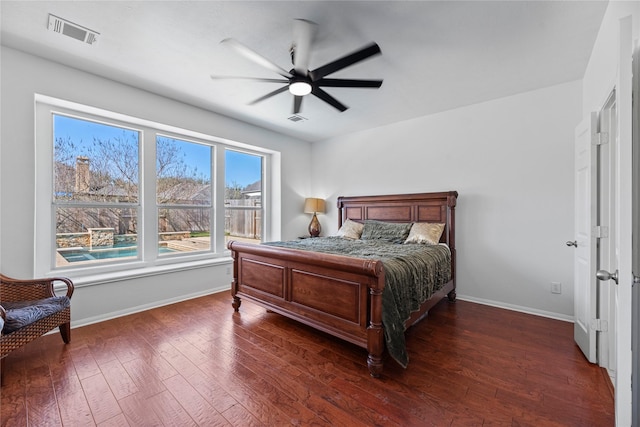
(79, 255)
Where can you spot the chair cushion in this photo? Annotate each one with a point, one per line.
(24, 313)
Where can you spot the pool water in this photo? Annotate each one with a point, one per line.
(101, 254)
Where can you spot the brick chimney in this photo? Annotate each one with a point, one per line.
(82, 174)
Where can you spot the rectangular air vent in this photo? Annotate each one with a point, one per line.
(75, 31)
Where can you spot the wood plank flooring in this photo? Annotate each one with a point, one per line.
(198, 363)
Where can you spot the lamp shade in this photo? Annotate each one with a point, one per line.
(313, 205)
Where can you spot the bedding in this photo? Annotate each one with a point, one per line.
(412, 274)
(388, 231)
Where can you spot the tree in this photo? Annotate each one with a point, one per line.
(233, 191)
(110, 167)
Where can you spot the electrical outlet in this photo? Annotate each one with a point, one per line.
(556, 287)
(228, 271)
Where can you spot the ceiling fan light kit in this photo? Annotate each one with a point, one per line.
(300, 81)
(299, 88)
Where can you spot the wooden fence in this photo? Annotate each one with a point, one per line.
(243, 218)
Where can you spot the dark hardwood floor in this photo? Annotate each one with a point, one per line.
(198, 363)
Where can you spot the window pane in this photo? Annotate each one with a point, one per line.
(94, 162)
(183, 177)
(183, 230)
(183, 171)
(243, 196)
(90, 235)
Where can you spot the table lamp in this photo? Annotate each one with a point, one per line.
(313, 205)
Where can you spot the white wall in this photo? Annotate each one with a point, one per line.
(22, 76)
(511, 160)
(600, 75)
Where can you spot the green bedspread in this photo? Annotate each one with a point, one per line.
(413, 272)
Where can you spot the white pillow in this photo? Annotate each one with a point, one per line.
(425, 232)
(350, 230)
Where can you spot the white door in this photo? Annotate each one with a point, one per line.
(585, 288)
(624, 228)
(607, 258)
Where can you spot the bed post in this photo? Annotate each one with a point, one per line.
(340, 213)
(451, 218)
(234, 284)
(375, 333)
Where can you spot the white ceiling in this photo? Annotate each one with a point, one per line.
(436, 55)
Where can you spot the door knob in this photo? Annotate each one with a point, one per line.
(605, 275)
(572, 243)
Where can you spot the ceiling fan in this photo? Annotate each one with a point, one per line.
(300, 81)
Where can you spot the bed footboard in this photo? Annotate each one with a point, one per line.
(296, 283)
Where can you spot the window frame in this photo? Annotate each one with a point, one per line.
(148, 261)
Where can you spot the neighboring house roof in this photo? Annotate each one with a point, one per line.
(187, 192)
(253, 190)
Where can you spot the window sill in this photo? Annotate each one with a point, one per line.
(86, 279)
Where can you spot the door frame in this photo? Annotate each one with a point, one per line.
(635, 326)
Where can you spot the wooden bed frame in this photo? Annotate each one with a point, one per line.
(340, 295)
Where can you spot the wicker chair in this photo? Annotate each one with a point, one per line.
(29, 309)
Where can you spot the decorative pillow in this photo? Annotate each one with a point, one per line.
(425, 232)
(350, 230)
(394, 232)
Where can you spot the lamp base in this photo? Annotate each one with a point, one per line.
(314, 226)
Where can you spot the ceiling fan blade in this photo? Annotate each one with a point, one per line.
(270, 94)
(303, 34)
(297, 104)
(255, 57)
(348, 83)
(328, 98)
(256, 79)
(345, 61)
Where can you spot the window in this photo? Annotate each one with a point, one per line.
(243, 196)
(183, 190)
(116, 193)
(95, 191)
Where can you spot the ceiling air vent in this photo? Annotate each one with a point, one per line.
(297, 118)
(75, 31)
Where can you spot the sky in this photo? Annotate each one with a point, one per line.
(241, 168)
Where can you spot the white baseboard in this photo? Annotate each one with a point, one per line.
(137, 309)
(527, 310)
(156, 304)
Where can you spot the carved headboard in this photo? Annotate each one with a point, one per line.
(422, 207)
